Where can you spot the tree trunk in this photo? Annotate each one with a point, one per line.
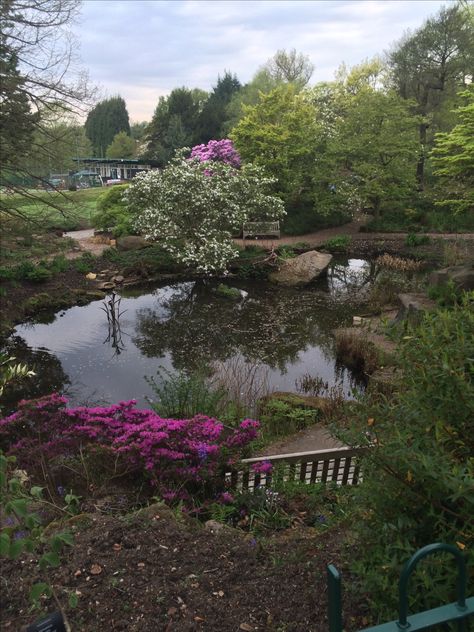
(420, 166)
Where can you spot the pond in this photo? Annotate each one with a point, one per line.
(101, 354)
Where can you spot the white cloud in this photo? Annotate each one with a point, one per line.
(143, 49)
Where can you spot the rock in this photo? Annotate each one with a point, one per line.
(413, 306)
(294, 400)
(118, 279)
(302, 269)
(108, 285)
(461, 276)
(91, 276)
(132, 242)
(383, 380)
(214, 526)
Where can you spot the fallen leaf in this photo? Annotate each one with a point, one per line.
(370, 422)
(96, 569)
(172, 611)
(461, 545)
(117, 547)
(77, 573)
(246, 627)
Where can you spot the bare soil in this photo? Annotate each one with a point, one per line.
(153, 572)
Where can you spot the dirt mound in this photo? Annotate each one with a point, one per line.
(150, 571)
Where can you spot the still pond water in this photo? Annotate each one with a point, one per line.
(280, 334)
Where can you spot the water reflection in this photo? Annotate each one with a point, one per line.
(188, 326)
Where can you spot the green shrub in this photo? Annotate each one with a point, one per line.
(418, 471)
(112, 213)
(286, 252)
(446, 294)
(6, 274)
(39, 274)
(340, 243)
(182, 396)
(280, 418)
(306, 219)
(228, 292)
(59, 264)
(416, 240)
(85, 263)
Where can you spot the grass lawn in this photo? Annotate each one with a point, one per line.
(71, 210)
(26, 240)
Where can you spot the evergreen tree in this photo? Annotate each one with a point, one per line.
(108, 118)
(17, 122)
(173, 125)
(211, 122)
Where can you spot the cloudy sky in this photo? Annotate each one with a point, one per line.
(142, 49)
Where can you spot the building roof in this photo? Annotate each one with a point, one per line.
(116, 161)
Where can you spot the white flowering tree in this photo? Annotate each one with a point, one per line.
(194, 208)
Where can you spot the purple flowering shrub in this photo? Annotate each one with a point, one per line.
(185, 454)
(217, 151)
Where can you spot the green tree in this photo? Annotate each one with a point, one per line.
(173, 124)
(376, 144)
(17, 121)
(54, 145)
(367, 148)
(249, 94)
(194, 209)
(453, 159)
(212, 119)
(290, 67)
(122, 146)
(104, 121)
(36, 77)
(280, 134)
(430, 65)
(138, 130)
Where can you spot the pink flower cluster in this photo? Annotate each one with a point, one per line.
(171, 452)
(263, 467)
(217, 151)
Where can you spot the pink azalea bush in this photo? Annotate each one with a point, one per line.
(172, 453)
(217, 151)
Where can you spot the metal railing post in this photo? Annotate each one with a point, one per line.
(334, 599)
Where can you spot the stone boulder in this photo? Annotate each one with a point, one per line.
(302, 269)
(461, 276)
(413, 306)
(132, 242)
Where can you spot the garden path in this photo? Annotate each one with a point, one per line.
(316, 437)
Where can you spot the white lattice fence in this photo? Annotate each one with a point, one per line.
(339, 466)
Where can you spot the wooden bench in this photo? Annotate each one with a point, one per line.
(261, 229)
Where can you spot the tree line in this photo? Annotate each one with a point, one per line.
(382, 136)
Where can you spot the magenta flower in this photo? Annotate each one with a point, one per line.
(263, 467)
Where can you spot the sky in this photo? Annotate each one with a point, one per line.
(142, 49)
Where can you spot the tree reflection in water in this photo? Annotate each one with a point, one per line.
(271, 326)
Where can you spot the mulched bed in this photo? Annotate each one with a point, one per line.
(153, 571)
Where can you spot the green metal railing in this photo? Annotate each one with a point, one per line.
(458, 611)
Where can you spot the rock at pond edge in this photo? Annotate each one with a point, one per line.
(302, 269)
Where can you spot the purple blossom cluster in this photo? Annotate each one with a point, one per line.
(217, 151)
(171, 452)
(263, 467)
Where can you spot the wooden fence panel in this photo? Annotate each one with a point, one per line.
(338, 466)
